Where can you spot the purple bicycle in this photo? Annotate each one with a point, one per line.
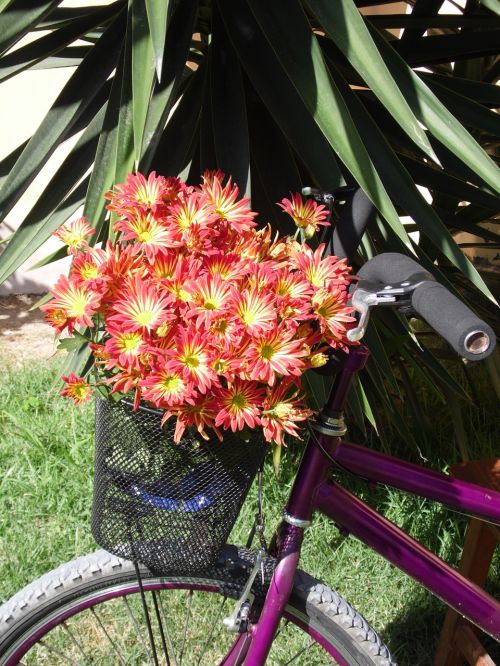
(258, 607)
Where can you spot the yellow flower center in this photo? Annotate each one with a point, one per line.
(221, 366)
(162, 330)
(145, 236)
(238, 401)
(191, 360)
(130, 342)
(77, 308)
(281, 410)
(248, 317)
(145, 317)
(172, 384)
(89, 271)
(210, 304)
(220, 326)
(80, 391)
(72, 239)
(267, 352)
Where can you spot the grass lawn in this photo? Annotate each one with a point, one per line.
(46, 460)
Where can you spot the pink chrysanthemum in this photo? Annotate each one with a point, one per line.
(77, 389)
(334, 317)
(124, 348)
(212, 298)
(201, 415)
(307, 214)
(283, 411)
(254, 310)
(74, 234)
(318, 270)
(148, 234)
(74, 301)
(275, 353)
(140, 307)
(224, 200)
(165, 389)
(139, 193)
(190, 357)
(239, 405)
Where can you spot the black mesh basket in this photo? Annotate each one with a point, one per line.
(170, 506)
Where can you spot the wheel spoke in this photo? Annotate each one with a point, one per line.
(137, 630)
(299, 653)
(160, 626)
(186, 624)
(106, 633)
(52, 650)
(76, 643)
(167, 632)
(214, 625)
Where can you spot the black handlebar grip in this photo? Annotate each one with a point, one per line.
(469, 336)
(356, 214)
(391, 268)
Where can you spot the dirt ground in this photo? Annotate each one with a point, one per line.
(24, 335)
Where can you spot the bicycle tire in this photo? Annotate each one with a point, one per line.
(69, 604)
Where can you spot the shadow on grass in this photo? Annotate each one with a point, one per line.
(413, 635)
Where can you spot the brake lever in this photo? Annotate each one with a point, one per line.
(368, 294)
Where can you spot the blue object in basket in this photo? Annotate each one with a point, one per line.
(164, 494)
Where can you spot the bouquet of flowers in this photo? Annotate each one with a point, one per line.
(194, 310)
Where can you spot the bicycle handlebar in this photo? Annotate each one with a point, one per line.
(469, 336)
(357, 213)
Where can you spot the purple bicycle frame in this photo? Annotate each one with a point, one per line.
(312, 491)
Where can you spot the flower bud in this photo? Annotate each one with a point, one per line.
(318, 359)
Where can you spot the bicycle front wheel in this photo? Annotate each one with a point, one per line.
(91, 611)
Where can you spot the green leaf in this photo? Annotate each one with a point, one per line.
(280, 97)
(434, 115)
(76, 97)
(157, 13)
(71, 56)
(493, 5)
(143, 73)
(32, 233)
(78, 361)
(18, 17)
(441, 181)
(427, 22)
(228, 108)
(103, 174)
(41, 221)
(479, 91)
(175, 149)
(365, 404)
(74, 343)
(275, 173)
(403, 190)
(166, 93)
(470, 113)
(355, 406)
(449, 48)
(43, 47)
(297, 51)
(315, 387)
(343, 23)
(125, 156)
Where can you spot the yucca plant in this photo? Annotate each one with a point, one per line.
(279, 95)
